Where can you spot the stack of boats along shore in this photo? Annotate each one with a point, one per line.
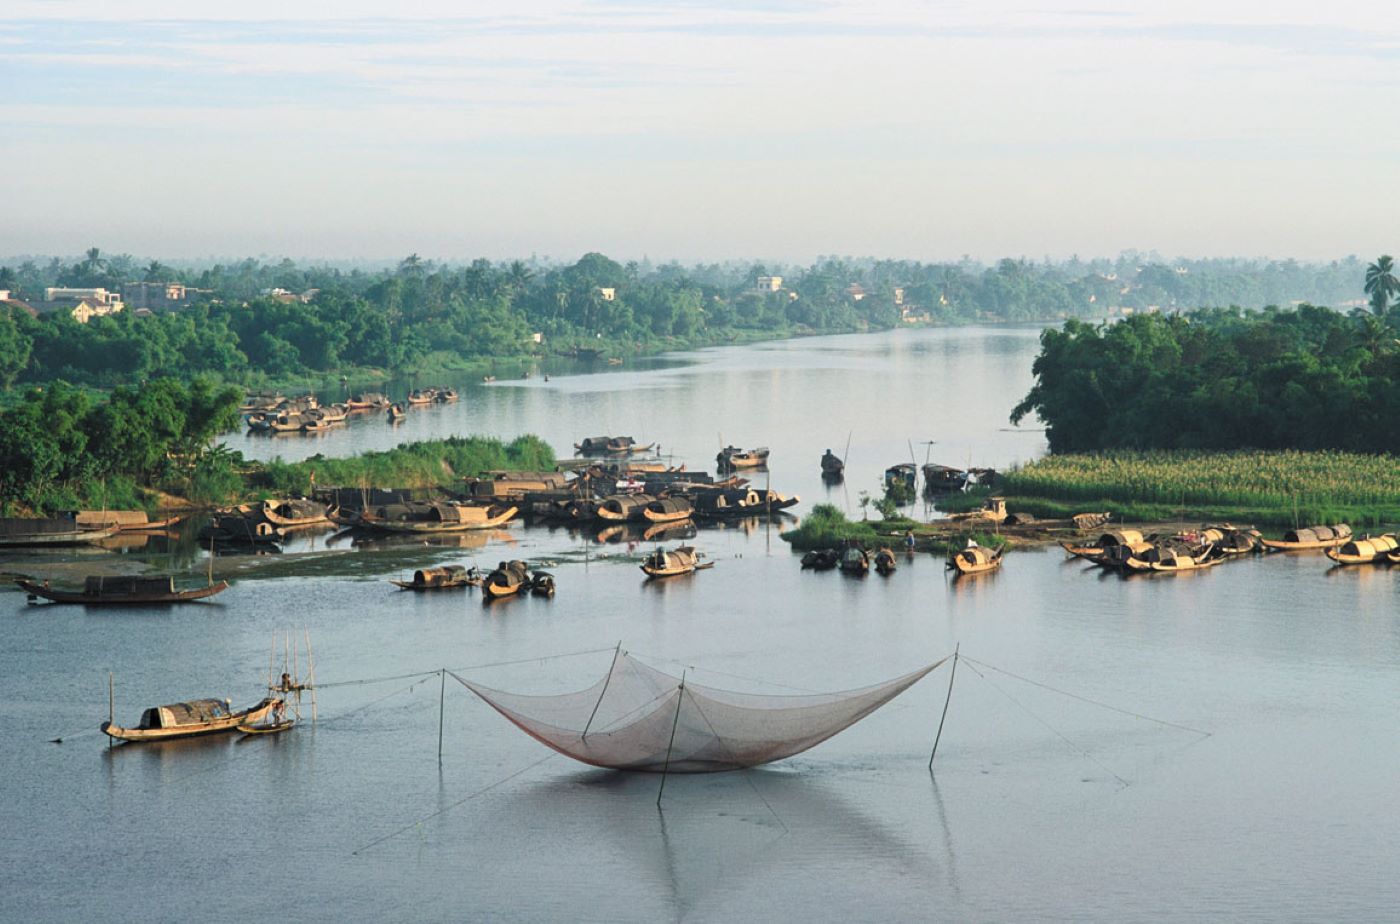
(1130, 551)
(275, 414)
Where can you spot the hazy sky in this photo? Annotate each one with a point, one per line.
(780, 129)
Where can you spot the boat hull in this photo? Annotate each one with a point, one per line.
(179, 596)
(219, 726)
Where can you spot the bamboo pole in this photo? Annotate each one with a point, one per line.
(111, 707)
(606, 681)
(666, 768)
(310, 674)
(442, 699)
(951, 675)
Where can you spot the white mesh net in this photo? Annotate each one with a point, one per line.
(636, 717)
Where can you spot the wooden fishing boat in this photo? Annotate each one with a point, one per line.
(236, 526)
(367, 401)
(733, 457)
(26, 531)
(611, 446)
(448, 577)
(769, 500)
(287, 423)
(727, 503)
(260, 401)
(668, 510)
(186, 720)
(1367, 551)
(124, 591)
(1230, 540)
(832, 466)
(542, 584)
(1311, 537)
(435, 518)
(680, 560)
(940, 479)
(1105, 542)
(446, 395)
(1087, 521)
(854, 560)
(821, 559)
(396, 413)
(885, 562)
(260, 421)
(1165, 559)
(901, 475)
(509, 578)
(267, 728)
(126, 521)
(294, 512)
(421, 396)
(975, 560)
(624, 508)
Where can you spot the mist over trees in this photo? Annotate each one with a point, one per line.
(282, 318)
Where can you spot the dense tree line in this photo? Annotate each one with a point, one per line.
(60, 448)
(1306, 378)
(419, 314)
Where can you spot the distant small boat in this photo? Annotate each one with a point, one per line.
(367, 401)
(855, 560)
(902, 474)
(445, 395)
(734, 457)
(448, 577)
(293, 513)
(186, 720)
(509, 578)
(124, 591)
(611, 446)
(975, 560)
(885, 562)
(681, 560)
(542, 584)
(1368, 551)
(1312, 537)
(422, 396)
(943, 478)
(266, 728)
(396, 413)
(821, 559)
(832, 466)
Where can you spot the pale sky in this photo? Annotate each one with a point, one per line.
(700, 129)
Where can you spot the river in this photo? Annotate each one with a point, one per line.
(1040, 805)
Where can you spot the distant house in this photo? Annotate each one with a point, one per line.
(856, 291)
(99, 300)
(898, 295)
(768, 283)
(161, 296)
(13, 304)
(607, 293)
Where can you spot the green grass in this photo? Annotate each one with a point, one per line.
(1278, 488)
(425, 464)
(826, 527)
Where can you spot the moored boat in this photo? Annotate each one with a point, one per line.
(396, 413)
(1167, 559)
(832, 466)
(367, 401)
(509, 578)
(25, 531)
(1366, 551)
(446, 395)
(1311, 537)
(542, 584)
(854, 560)
(293, 512)
(611, 446)
(668, 510)
(435, 518)
(123, 591)
(975, 559)
(1105, 542)
(186, 720)
(731, 457)
(943, 478)
(448, 577)
(421, 396)
(901, 475)
(622, 508)
(885, 562)
(821, 559)
(680, 560)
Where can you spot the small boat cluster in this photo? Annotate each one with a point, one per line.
(936, 479)
(853, 559)
(1129, 551)
(305, 414)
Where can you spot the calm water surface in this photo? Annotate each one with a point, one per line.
(1041, 806)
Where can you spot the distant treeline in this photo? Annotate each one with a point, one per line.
(245, 326)
(1309, 378)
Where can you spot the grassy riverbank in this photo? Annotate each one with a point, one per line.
(1277, 488)
(826, 527)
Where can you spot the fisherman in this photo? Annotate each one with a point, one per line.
(908, 540)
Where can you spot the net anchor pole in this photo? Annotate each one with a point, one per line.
(948, 699)
(442, 698)
(606, 680)
(111, 707)
(666, 768)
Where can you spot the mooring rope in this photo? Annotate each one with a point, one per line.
(1085, 699)
(1058, 733)
(438, 670)
(374, 702)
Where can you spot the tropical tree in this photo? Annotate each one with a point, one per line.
(1381, 283)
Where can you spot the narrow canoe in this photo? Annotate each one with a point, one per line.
(119, 596)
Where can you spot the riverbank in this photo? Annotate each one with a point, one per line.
(1281, 489)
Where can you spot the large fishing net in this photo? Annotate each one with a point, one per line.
(640, 718)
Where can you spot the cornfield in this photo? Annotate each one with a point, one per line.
(1284, 484)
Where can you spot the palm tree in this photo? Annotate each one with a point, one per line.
(1381, 283)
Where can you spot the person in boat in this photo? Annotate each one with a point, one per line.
(279, 712)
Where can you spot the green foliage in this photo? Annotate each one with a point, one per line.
(1261, 487)
(59, 450)
(827, 527)
(1308, 378)
(431, 463)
